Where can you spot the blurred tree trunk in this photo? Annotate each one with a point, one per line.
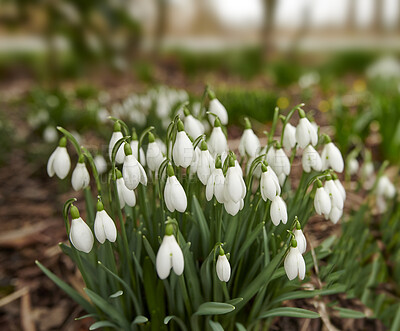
(161, 25)
(377, 24)
(351, 15)
(268, 28)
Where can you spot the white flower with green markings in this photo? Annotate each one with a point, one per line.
(104, 226)
(249, 143)
(80, 234)
(59, 162)
(132, 170)
(305, 132)
(223, 267)
(80, 176)
(182, 152)
(294, 264)
(174, 194)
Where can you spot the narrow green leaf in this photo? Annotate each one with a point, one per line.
(349, 313)
(215, 326)
(202, 223)
(149, 250)
(214, 308)
(86, 316)
(249, 240)
(140, 319)
(177, 320)
(240, 327)
(235, 301)
(290, 312)
(102, 324)
(67, 289)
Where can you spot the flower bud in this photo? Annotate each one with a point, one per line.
(80, 234)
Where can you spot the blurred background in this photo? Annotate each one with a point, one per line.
(74, 63)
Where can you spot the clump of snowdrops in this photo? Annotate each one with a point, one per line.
(188, 234)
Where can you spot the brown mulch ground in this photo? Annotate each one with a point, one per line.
(31, 228)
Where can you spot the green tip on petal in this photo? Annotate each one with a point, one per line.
(247, 124)
(117, 127)
(100, 206)
(170, 171)
(203, 145)
(294, 242)
(134, 134)
(218, 162)
(217, 122)
(152, 139)
(221, 251)
(278, 146)
(319, 183)
(181, 127)
(127, 149)
(74, 212)
(298, 225)
(169, 230)
(119, 173)
(302, 114)
(62, 142)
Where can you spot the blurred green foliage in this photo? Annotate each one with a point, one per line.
(6, 138)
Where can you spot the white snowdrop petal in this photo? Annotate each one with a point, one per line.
(217, 108)
(99, 228)
(81, 236)
(301, 240)
(163, 259)
(110, 229)
(50, 164)
(61, 163)
(290, 264)
(301, 266)
(177, 257)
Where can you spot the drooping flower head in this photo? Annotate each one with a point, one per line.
(182, 152)
(294, 264)
(305, 132)
(154, 156)
(80, 176)
(269, 184)
(217, 143)
(223, 268)
(300, 238)
(217, 108)
(174, 194)
(132, 170)
(215, 183)
(104, 226)
(249, 143)
(59, 162)
(134, 146)
(205, 164)
(117, 135)
(192, 125)
(80, 234)
(331, 156)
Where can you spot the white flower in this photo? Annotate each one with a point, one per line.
(335, 214)
(169, 256)
(305, 133)
(334, 194)
(289, 137)
(80, 176)
(205, 164)
(125, 195)
(215, 183)
(154, 155)
(50, 134)
(279, 162)
(294, 264)
(269, 184)
(278, 211)
(104, 227)
(134, 146)
(217, 108)
(234, 186)
(339, 187)
(301, 240)
(195, 161)
(332, 158)
(174, 194)
(117, 135)
(223, 267)
(249, 143)
(385, 188)
(232, 207)
(367, 169)
(352, 166)
(59, 162)
(100, 163)
(322, 202)
(311, 159)
(182, 151)
(217, 144)
(193, 126)
(80, 234)
(132, 170)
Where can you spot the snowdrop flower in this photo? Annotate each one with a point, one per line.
(331, 157)
(80, 234)
(249, 144)
(223, 267)
(134, 146)
(132, 170)
(269, 184)
(195, 161)
(182, 152)
(289, 137)
(385, 188)
(217, 143)
(100, 163)
(278, 211)
(232, 207)
(192, 125)
(352, 166)
(154, 155)
(169, 255)
(305, 132)
(367, 169)
(234, 186)
(217, 108)
(80, 176)
(174, 194)
(50, 134)
(257, 170)
(279, 162)
(294, 263)
(104, 227)
(335, 214)
(205, 164)
(117, 135)
(300, 238)
(311, 160)
(334, 193)
(59, 162)
(339, 186)
(322, 201)
(215, 183)
(125, 195)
